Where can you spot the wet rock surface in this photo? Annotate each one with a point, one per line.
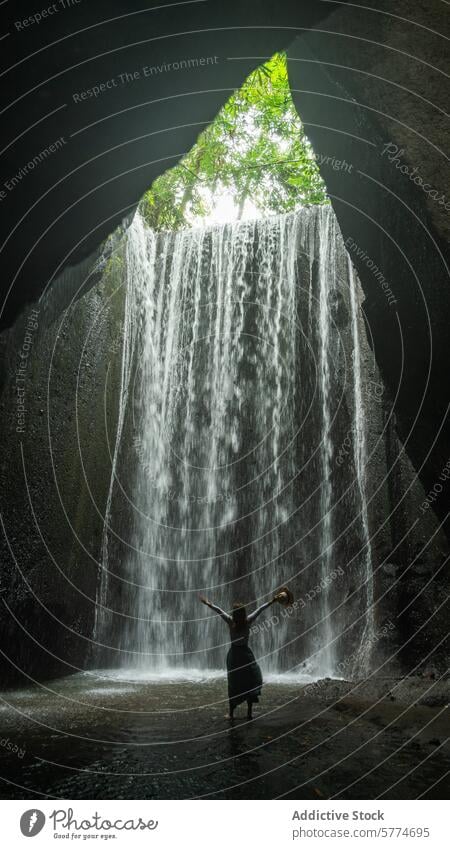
(88, 737)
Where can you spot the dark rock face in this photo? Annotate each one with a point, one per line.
(55, 472)
(375, 121)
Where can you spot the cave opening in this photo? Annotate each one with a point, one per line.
(253, 160)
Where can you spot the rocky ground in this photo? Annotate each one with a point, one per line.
(88, 737)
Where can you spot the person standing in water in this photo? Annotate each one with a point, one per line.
(243, 672)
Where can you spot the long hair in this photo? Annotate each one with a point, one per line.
(239, 615)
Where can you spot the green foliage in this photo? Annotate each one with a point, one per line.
(255, 149)
(115, 265)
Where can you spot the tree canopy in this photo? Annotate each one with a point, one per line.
(254, 157)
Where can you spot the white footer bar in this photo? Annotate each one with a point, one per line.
(223, 824)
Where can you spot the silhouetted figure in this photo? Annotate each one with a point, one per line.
(244, 675)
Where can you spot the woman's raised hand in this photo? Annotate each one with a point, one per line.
(279, 596)
(204, 600)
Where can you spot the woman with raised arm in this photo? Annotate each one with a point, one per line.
(244, 675)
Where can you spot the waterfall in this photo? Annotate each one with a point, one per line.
(223, 475)
(327, 286)
(360, 457)
(136, 272)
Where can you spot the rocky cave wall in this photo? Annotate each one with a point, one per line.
(58, 416)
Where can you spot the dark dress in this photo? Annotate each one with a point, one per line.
(244, 675)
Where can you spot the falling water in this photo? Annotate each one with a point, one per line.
(136, 273)
(360, 456)
(223, 471)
